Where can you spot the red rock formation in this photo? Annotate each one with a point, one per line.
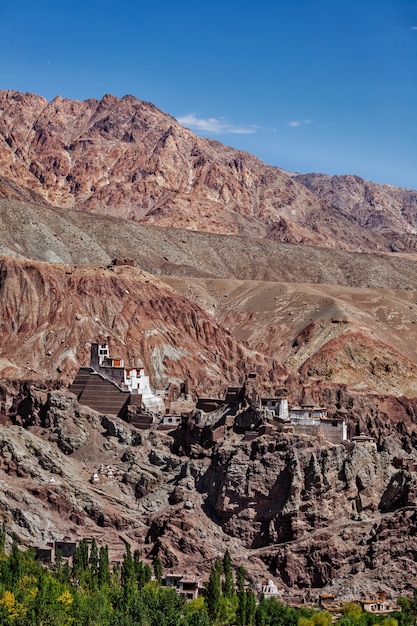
(51, 313)
(126, 158)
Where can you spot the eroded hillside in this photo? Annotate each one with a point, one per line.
(126, 158)
(50, 314)
(271, 501)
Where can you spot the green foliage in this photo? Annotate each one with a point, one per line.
(213, 593)
(147, 573)
(2, 539)
(241, 608)
(409, 605)
(227, 611)
(321, 618)
(273, 613)
(240, 577)
(228, 586)
(103, 572)
(91, 595)
(250, 607)
(157, 569)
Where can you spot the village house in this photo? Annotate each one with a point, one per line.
(365, 440)
(43, 554)
(190, 587)
(310, 419)
(66, 548)
(380, 606)
(168, 422)
(270, 407)
(307, 414)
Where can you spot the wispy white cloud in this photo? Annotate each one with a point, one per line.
(214, 125)
(299, 123)
(414, 28)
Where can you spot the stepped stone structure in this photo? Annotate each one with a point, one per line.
(107, 386)
(99, 393)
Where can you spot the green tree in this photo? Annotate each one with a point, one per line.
(320, 618)
(15, 563)
(103, 574)
(241, 608)
(228, 586)
(80, 560)
(241, 596)
(147, 573)
(3, 536)
(139, 569)
(94, 564)
(261, 612)
(157, 569)
(409, 607)
(128, 578)
(227, 611)
(240, 577)
(93, 609)
(250, 607)
(213, 593)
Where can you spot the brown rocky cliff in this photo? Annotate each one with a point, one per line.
(309, 513)
(317, 514)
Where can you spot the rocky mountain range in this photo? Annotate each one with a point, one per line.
(125, 158)
(238, 267)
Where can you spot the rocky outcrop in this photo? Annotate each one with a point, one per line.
(371, 206)
(279, 494)
(312, 515)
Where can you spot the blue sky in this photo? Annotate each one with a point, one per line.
(307, 85)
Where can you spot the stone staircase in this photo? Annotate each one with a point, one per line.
(99, 393)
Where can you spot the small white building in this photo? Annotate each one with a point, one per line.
(376, 606)
(312, 418)
(307, 414)
(278, 406)
(137, 382)
(170, 422)
(270, 590)
(334, 430)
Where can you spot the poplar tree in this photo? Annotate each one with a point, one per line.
(128, 578)
(80, 561)
(3, 539)
(228, 586)
(15, 562)
(147, 573)
(250, 607)
(94, 563)
(139, 569)
(213, 593)
(103, 573)
(157, 569)
(241, 596)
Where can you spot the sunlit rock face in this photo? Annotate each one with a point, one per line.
(126, 158)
